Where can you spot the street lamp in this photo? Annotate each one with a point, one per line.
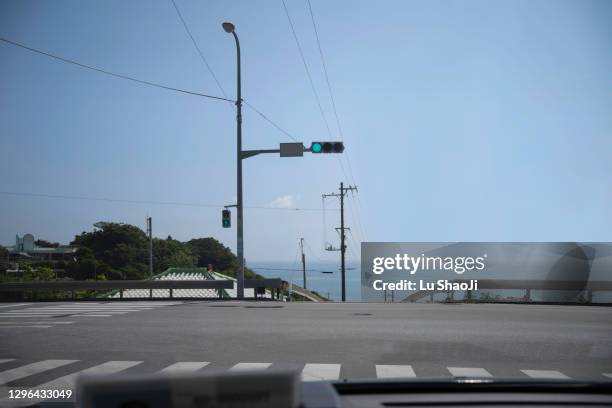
(229, 28)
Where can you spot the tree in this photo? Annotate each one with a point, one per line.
(121, 247)
(121, 251)
(210, 251)
(169, 253)
(38, 274)
(46, 244)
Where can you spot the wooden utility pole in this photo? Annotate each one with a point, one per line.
(342, 228)
(303, 261)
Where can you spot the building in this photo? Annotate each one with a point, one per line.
(26, 248)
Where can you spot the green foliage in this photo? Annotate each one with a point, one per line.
(46, 244)
(171, 253)
(121, 248)
(121, 251)
(210, 251)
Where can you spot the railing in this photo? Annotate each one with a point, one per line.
(274, 284)
(120, 285)
(527, 285)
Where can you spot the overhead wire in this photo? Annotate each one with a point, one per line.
(212, 73)
(200, 53)
(312, 252)
(333, 100)
(355, 220)
(312, 85)
(148, 202)
(314, 90)
(113, 74)
(269, 120)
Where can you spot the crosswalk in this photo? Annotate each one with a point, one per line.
(17, 316)
(310, 371)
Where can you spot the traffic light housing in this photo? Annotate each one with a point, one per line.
(327, 147)
(226, 218)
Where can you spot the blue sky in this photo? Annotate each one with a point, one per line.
(463, 121)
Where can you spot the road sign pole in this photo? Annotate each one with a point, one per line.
(286, 150)
(229, 28)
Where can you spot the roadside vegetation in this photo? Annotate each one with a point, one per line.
(113, 251)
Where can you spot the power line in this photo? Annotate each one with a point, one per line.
(140, 81)
(314, 90)
(331, 94)
(312, 252)
(351, 239)
(285, 269)
(333, 100)
(269, 121)
(357, 222)
(171, 203)
(195, 44)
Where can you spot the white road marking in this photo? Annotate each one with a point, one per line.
(469, 372)
(316, 372)
(394, 371)
(57, 315)
(27, 316)
(32, 322)
(184, 366)
(34, 326)
(546, 374)
(80, 309)
(42, 309)
(97, 309)
(31, 369)
(67, 381)
(251, 366)
(8, 360)
(16, 305)
(62, 312)
(607, 375)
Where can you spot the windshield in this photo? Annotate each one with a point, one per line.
(352, 190)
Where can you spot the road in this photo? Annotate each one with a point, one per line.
(46, 343)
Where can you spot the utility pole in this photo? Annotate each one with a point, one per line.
(230, 29)
(303, 261)
(342, 228)
(150, 234)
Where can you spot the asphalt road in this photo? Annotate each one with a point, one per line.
(41, 342)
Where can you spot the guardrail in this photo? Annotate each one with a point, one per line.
(274, 284)
(121, 285)
(526, 285)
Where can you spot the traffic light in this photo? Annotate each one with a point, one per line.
(327, 147)
(226, 218)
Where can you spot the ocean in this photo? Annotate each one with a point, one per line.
(329, 284)
(326, 284)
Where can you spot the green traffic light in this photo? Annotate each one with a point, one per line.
(316, 147)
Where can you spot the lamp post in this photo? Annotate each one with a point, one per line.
(230, 29)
